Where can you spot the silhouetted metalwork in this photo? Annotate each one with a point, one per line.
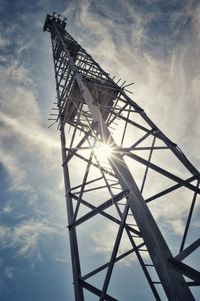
(118, 168)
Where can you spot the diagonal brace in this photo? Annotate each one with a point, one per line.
(105, 265)
(105, 214)
(114, 253)
(184, 269)
(187, 251)
(100, 208)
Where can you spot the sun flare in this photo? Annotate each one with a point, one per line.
(103, 151)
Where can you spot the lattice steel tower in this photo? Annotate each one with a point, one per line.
(123, 174)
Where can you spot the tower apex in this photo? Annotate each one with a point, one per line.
(56, 18)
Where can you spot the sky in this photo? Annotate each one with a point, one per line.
(153, 43)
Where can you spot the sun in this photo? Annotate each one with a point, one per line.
(103, 151)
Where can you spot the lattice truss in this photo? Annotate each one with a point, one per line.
(107, 139)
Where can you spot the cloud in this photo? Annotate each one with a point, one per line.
(24, 138)
(9, 272)
(3, 232)
(18, 87)
(166, 75)
(7, 209)
(6, 273)
(4, 42)
(166, 85)
(22, 46)
(61, 259)
(25, 238)
(17, 175)
(103, 246)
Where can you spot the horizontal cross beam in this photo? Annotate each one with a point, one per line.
(95, 290)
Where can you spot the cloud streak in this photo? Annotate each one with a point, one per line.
(25, 238)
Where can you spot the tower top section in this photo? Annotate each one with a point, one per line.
(54, 19)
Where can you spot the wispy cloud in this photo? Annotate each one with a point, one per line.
(25, 238)
(6, 273)
(4, 42)
(29, 153)
(9, 272)
(16, 174)
(24, 138)
(7, 209)
(105, 246)
(166, 75)
(24, 46)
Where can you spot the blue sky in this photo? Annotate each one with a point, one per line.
(154, 44)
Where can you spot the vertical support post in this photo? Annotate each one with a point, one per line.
(76, 269)
(72, 231)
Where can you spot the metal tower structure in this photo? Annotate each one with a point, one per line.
(122, 172)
